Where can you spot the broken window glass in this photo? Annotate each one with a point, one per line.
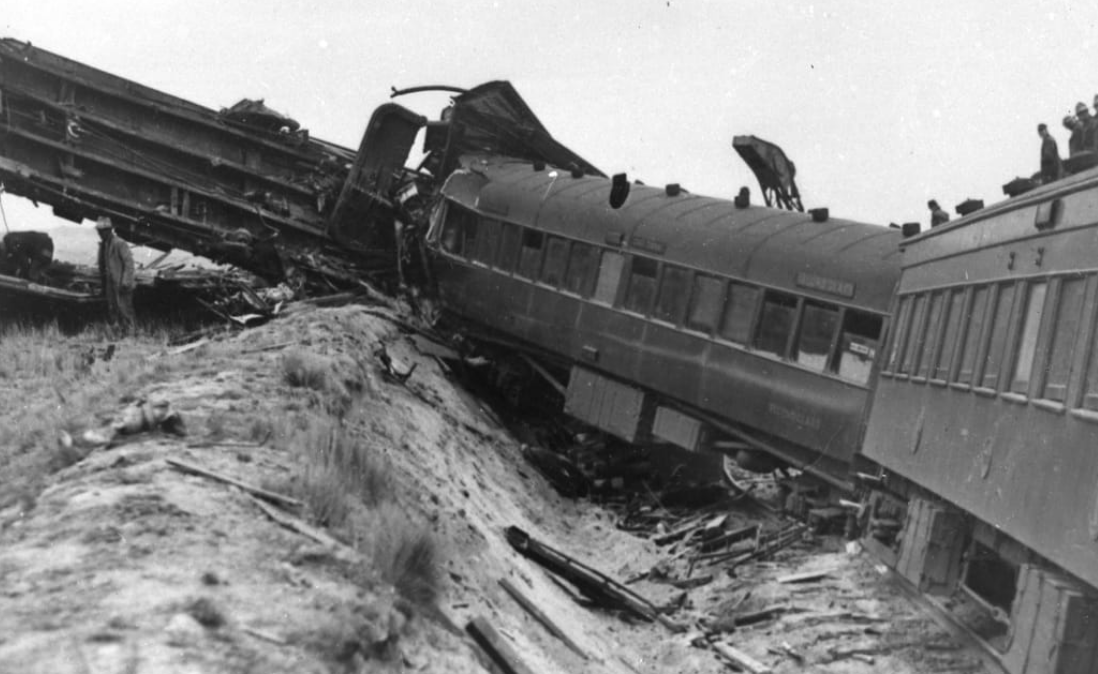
(530, 257)
(818, 328)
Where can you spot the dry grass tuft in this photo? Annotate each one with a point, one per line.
(349, 486)
(305, 369)
(407, 555)
(51, 381)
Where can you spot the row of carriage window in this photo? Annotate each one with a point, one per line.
(1021, 338)
(818, 335)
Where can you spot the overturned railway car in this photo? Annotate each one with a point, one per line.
(983, 434)
(674, 317)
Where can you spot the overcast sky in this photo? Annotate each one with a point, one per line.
(880, 105)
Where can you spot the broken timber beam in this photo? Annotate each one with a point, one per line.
(271, 496)
(294, 524)
(501, 652)
(741, 659)
(539, 615)
(591, 582)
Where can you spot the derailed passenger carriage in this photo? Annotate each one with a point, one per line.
(677, 318)
(984, 427)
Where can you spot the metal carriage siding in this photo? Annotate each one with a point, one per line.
(805, 411)
(1017, 456)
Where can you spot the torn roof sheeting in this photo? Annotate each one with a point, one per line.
(774, 170)
(493, 118)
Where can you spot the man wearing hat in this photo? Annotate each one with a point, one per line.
(1090, 129)
(116, 275)
(1075, 143)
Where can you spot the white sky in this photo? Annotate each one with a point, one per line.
(881, 105)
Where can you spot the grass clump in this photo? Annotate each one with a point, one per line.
(407, 554)
(305, 369)
(349, 486)
(52, 381)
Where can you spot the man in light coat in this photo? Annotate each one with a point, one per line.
(116, 276)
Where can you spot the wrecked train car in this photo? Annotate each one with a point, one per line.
(243, 185)
(673, 317)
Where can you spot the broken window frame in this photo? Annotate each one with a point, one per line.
(530, 256)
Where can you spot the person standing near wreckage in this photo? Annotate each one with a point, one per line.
(117, 276)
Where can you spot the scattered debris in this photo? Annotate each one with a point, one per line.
(595, 585)
(392, 369)
(806, 577)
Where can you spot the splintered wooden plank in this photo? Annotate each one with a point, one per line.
(497, 648)
(741, 659)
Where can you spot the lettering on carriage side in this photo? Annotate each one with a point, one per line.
(650, 245)
(831, 286)
(795, 416)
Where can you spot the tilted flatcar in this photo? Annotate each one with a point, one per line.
(674, 317)
(983, 435)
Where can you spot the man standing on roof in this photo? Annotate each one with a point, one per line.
(1090, 129)
(1050, 155)
(937, 215)
(1075, 143)
(116, 276)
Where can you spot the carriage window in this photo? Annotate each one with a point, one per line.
(673, 288)
(581, 264)
(510, 242)
(818, 326)
(642, 285)
(858, 345)
(469, 225)
(914, 341)
(739, 311)
(1027, 345)
(933, 325)
(952, 319)
(898, 332)
(453, 230)
(609, 276)
(975, 326)
(556, 256)
(775, 322)
(530, 257)
(1001, 318)
(1065, 327)
(487, 242)
(705, 303)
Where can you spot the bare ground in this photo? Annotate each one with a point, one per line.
(122, 564)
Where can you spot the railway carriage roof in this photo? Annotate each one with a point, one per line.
(766, 245)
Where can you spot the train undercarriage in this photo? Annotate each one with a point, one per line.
(1024, 613)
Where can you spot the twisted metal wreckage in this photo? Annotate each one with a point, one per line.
(244, 186)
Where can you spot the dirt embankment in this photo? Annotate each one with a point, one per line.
(122, 563)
